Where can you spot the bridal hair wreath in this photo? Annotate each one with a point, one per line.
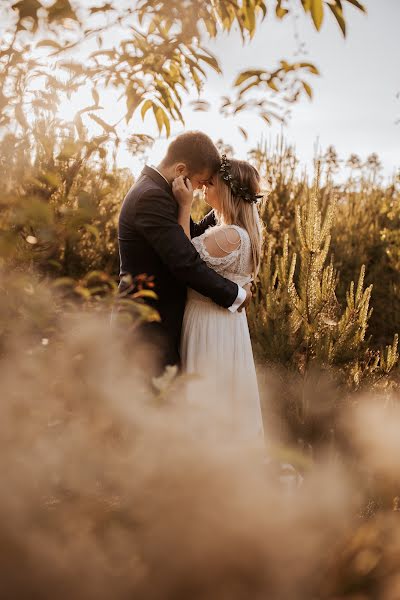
(238, 191)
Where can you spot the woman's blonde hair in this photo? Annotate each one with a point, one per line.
(236, 211)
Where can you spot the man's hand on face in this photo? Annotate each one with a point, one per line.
(249, 296)
(183, 191)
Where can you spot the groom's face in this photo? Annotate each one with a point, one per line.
(198, 180)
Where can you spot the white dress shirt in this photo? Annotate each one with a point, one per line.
(241, 297)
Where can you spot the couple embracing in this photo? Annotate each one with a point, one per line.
(202, 272)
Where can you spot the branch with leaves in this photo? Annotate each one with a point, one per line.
(160, 56)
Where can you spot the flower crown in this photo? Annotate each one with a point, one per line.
(240, 192)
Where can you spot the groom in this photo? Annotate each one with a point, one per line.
(152, 242)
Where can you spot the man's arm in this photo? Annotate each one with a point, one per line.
(197, 229)
(156, 219)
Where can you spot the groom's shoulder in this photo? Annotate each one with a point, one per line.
(143, 194)
(145, 187)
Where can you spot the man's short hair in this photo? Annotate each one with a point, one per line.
(196, 150)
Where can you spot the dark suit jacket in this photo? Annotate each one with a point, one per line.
(152, 242)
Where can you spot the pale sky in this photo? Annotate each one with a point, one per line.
(354, 107)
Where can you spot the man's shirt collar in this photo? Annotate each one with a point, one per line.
(159, 172)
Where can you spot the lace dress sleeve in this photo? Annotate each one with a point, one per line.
(218, 263)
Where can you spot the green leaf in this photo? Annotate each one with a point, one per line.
(317, 12)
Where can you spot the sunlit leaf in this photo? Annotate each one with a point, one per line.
(247, 75)
(106, 126)
(317, 12)
(19, 114)
(68, 150)
(158, 113)
(200, 105)
(27, 9)
(61, 9)
(210, 60)
(145, 294)
(63, 281)
(161, 119)
(75, 67)
(100, 9)
(271, 84)
(307, 89)
(139, 143)
(42, 104)
(266, 117)
(357, 4)
(88, 109)
(338, 13)
(95, 96)
(309, 66)
(133, 100)
(167, 124)
(281, 12)
(244, 133)
(82, 291)
(93, 230)
(49, 43)
(147, 104)
(52, 178)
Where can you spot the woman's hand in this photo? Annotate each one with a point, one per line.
(183, 192)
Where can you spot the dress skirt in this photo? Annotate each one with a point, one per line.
(217, 358)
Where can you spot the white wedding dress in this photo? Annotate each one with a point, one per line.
(216, 347)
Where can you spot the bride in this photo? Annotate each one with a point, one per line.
(215, 343)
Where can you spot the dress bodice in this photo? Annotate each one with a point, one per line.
(236, 266)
